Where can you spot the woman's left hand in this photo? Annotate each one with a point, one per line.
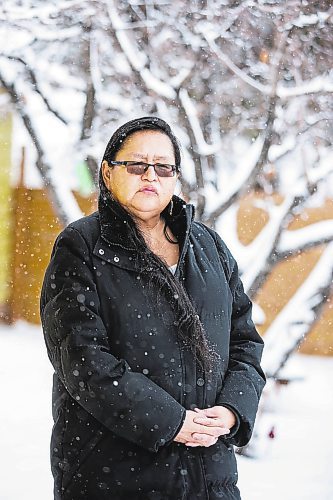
(216, 416)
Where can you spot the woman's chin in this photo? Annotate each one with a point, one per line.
(147, 208)
(147, 203)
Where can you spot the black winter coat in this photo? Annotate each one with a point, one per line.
(122, 384)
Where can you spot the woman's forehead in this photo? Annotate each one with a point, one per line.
(145, 142)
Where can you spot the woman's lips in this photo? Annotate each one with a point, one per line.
(148, 189)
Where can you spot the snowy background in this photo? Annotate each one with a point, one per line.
(296, 465)
(247, 87)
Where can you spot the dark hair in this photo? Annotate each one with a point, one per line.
(145, 123)
(190, 328)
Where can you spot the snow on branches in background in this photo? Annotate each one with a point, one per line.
(246, 86)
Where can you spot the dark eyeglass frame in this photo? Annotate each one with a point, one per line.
(160, 168)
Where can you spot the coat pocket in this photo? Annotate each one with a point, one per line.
(72, 471)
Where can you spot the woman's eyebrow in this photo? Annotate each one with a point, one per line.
(142, 156)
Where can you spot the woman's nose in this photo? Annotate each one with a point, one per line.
(150, 173)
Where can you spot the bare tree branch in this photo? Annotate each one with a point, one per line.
(35, 84)
(268, 135)
(198, 145)
(254, 173)
(307, 237)
(137, 60)
(89, 108)
(264, 89)
(318, 84)
(198, 189)
(41, 164)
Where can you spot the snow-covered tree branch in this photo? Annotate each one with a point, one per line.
(64, 205)
(245, 88)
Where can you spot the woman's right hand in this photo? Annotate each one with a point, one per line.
(206, 435)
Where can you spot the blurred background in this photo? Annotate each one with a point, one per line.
(247, 88)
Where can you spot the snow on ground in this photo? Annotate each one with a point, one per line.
(296, 465)
(25, 414)
(298, 462)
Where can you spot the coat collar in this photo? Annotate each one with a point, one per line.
(116, 227)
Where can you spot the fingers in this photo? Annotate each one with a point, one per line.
(201, 440)
(204, 439)
(209, 413)
(212, 412)
(201, 430)
(215, 416)
(214, 427)
(212, 431)
(208, 430)
(209, 421)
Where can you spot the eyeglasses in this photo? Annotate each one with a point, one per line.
(139, 167)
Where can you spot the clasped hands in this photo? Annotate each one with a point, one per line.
(203, 427)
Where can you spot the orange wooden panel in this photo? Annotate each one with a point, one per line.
(320, 339)
(283, 282)
(36, 228)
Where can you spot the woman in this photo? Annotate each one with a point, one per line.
(149, 331)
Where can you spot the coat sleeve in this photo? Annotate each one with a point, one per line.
(244, 379)
(126, 402)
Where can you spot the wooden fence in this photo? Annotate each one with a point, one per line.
(35, 229)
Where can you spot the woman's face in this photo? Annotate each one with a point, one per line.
(146, 195)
